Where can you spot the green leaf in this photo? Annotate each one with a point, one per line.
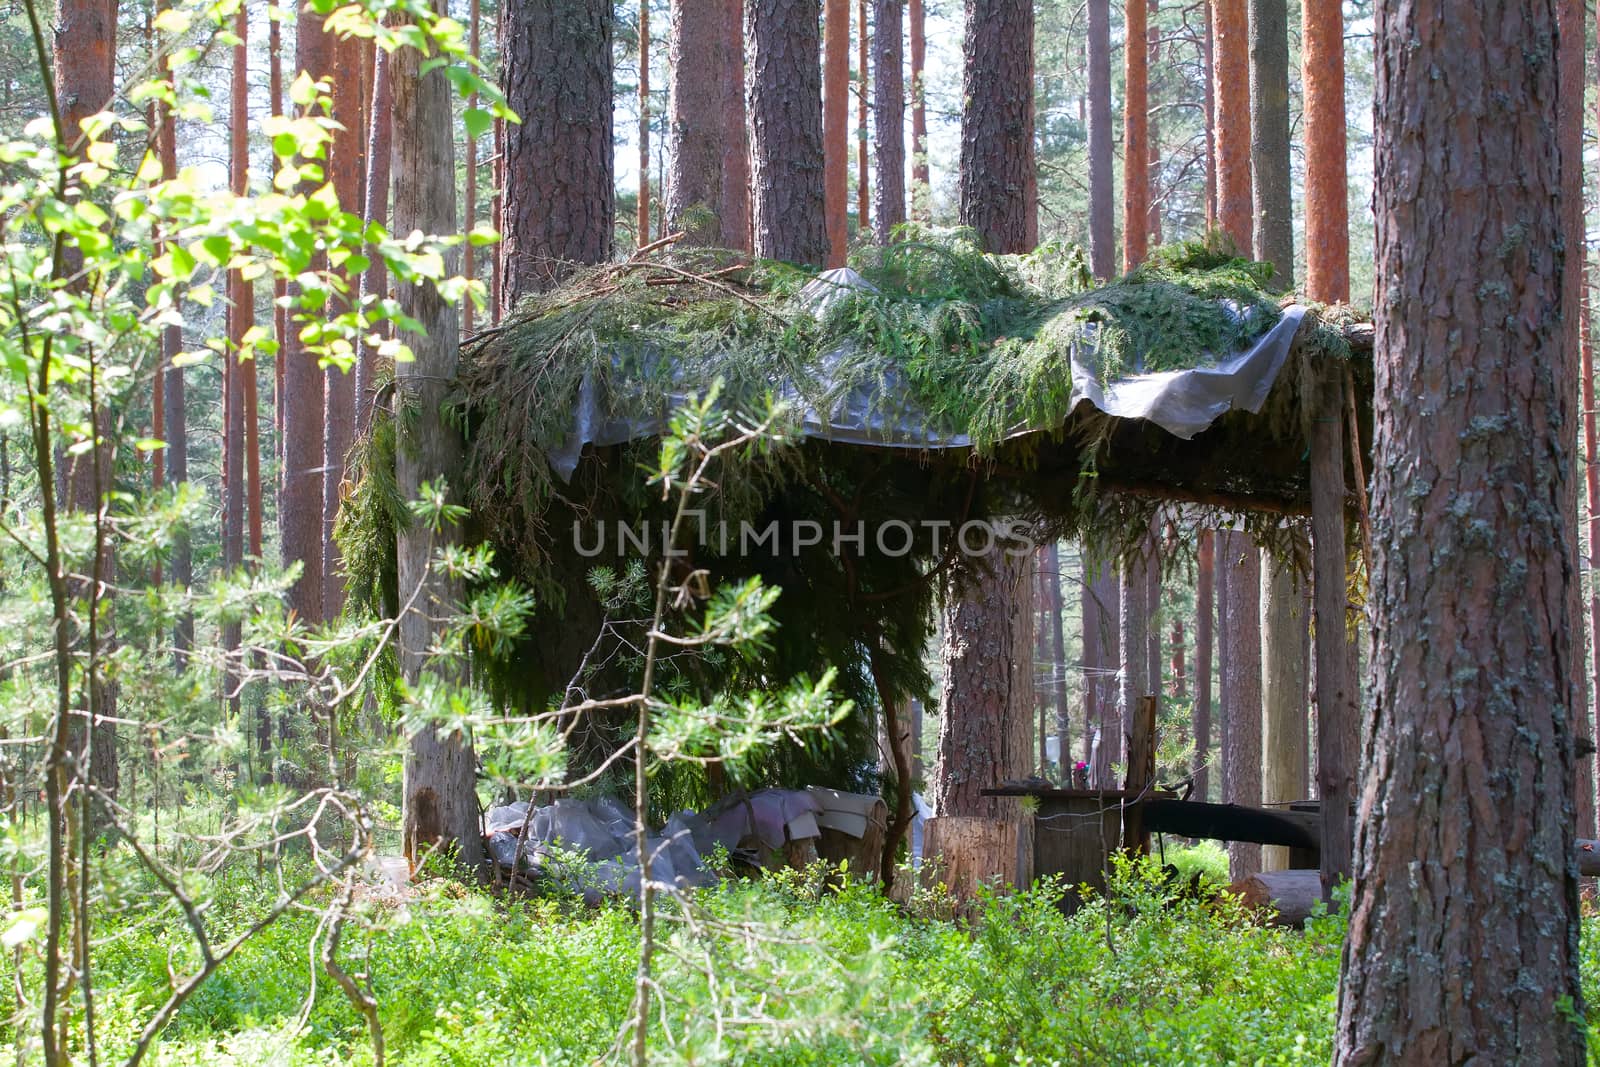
(478, 121)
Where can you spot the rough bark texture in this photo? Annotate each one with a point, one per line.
(1336, 671)
(983, 668)
(863, 120)
(469, 199)
(998, 178)
(735, 195)
(1273, 230)
(1102, 608)
(1285, 743)
(1242, 743)
(1591, 471)
(1102, 213)
(347, 167)
(440, 805)
(559, 205)
(1135, 136)
(1327, 207)
(836, 126)
(1230, 36)
(300, 495)
(696, 125)
(786, 131)
(1205, 609)
(1463, 932)
(921, 192)
(888, 120)
(642, 221)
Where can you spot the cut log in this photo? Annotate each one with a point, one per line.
(1291, 894)
(966, 851)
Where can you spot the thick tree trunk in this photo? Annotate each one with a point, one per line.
(1464, 920)
(786, 131)
(921, 190)
(1327, 194)
(1205, 615)
(347, 167)
(735, 195)
(888, 120)
(559, 205)
(1230, 34)
(1135, 135)
(1242, 743)
(1285, 744)
(440, 805)
(300, 498)
(1273, 230)
(696, 125)
(983, 674)
(998, 178)
(1102, 213)
(836, 126)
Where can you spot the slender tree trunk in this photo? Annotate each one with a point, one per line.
(1570, 15)
(998, 177)
(1591, 478)
(888, 119)
(375, 279)
(280, 313)
(1134, 635)
(1464, 850)
(644, 122)
(558, 201)
(1051, 569)
(440, 804)
(300, 503)
(1205, 614)
(836, 126)
(786, 143)
(1102, 610)
(1327, 195)
(497, 265)
(1273, 230)
(1155, 69)
(241, 316)
(1209, 102)
(1230, 33)
(921, 187)
(1242, 743)
(175, 405)
(1285, 743)
(1223, 714)
(863, 134)
(469, 211)
(735, 195)
(1102, 214)
(1135, 136)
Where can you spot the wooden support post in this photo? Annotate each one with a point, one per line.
(1141, 773)
(1335, 708)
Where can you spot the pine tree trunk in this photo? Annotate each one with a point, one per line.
(1285, 743)
(863, 128)
(1102, 214)
(241, 316)
(1230, 34)
(836, 126)
(440, 805)
(175, 405)
(735, 195)
(1464, 919)
(998, 177)
(558, 206)
(280, 314)
(696, 125)
(1135, 135)
(1209, 103)
(1591, 472)
(1205, 615)
(888, 120)
(1327, 193)
(1155, 69)
(300, 500)
(469, 206)
(1134, 639)
(1102, 611)
(1241, 748)
(347, 167)
(786, 131)
(921, 190)
(643, 220)
(1051, 567)
(375, 208)
(1273, 231)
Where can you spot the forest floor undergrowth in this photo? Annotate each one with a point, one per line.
(787, 970)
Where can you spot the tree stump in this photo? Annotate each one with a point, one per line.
(967, 851)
